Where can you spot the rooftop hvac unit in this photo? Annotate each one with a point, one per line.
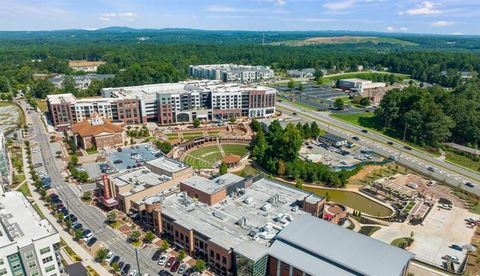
(266, 206)
(248, 200)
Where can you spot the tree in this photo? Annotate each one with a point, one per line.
(111, 216)
(307, 133)
(291, 84)
(78, 234)
(200, 266)
(149, 237)
(260, 148)
(281, 167)
(60, 217)
(164, 146)
(196, 123)
(116, 267)
(315, 131)
(4, 85)
(365, 101)
(255, 125)
(42, 88)
(233, 119)
(101, 255)
(299, 184)
(69, 85)
(182, 255)
(165, 245)
(223, 168)
(87, 196)
(339, 104)
(300, 87)
(134, 235)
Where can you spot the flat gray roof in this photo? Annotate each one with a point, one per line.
(141, 179)
(212, 186)
(314, 245)
(167, 164)
(266, 207)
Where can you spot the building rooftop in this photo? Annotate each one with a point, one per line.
(246, 221)
(212, 186)
(95, 126)
(20, 223)
(167, 164)
(333, 137)
(141, 179)
(62, 99)
(319, 246)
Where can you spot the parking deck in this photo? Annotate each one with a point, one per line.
(131, 156)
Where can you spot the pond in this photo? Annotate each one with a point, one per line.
(353, 200)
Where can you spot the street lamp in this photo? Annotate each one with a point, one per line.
(138, 263)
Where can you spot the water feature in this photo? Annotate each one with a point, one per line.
(353, 200)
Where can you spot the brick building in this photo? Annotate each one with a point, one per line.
(97, 133)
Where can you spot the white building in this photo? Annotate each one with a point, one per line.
(5, 165)
(359, 85)
(26, 240)
(232, 72)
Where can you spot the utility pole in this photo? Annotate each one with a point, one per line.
(405, 131)
(138, 263)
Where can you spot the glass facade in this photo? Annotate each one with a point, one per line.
(247, 267)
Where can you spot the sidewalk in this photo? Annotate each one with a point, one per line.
(87, 259)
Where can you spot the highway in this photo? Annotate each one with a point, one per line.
(89, 216)
(414, 159)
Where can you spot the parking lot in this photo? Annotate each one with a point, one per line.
(131, 156)
(434, 237)
(343, 157)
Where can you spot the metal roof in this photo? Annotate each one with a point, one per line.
(311, 243)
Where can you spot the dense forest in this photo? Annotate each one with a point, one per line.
(434, 115)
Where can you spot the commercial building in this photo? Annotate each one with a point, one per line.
(97, 133)
(310, 246)
(229, 221)
(5, 165)
(128, 190)
(27, 242)
(169, 103)
(85, 65)
(231, 72)
(358, 85)
(81, 81)
(307, 73)
(333, 140)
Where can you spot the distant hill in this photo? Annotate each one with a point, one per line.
(345, 40)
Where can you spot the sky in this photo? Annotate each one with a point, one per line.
(407, 16)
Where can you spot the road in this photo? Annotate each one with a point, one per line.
(89, 216)
(414, 159)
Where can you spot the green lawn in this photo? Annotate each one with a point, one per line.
(462, 159)
(192, 135)
(206, 157)
(359, 75)
(25, 190)
(42, 105)
(91, 151)
(369, 230)
(366, 119)
(172, 136)
(247, 171)
(400, 242)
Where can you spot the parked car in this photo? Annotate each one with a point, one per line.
(182, 269)
(114, 260)
(355, 138)
(133, 273)
(125, 269)
(91, 241)
(109, 257)
(165, 273)
(156, 255)
(87, 237)
(118, 161)
(456, 247)
(85, 232)
(175, 266)
(77, 225)
(170, 262)
(162, 260)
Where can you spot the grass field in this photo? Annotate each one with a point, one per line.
(359, 75)
(42, 105)
(206, 157)
(192, 135)
(366, 119)
(461, 159)
(345, 40)
(172, 136)
(25, 190)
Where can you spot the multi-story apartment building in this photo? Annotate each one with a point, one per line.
(168, 103)
(27, 242)
(232, 72)
(5, 165)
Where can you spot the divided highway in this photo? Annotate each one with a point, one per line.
(414, 159)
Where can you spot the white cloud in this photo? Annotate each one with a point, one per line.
(398, 30)
(442, 24)
(424, 8)
(127, 16)
(280, 2)
(457, 33)
(339, 5)
(220, 8)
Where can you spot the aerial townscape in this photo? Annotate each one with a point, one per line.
(249, 138)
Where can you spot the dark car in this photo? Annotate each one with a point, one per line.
(53, 196)
(119, 149)
(73, 218)
(170, 262)
(407, 148)
(364, 131)
(469, 184)
(86, 232)
(390, 143)
(91, 241)
(456, 247)
(78, 226)
(125, 269)
(118, 161)
(355, 138)
(60, 207)
(165, 273)
(175, 267)
(156, 255)
(121, 264)
(114, 260)
(431, 169)
(294, 113)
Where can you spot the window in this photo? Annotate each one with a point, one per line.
(1, 261)
(32, 264)
(16, 266)
(224, 260)
(50, 268)
(29, 255)
(44, 250)
(3, 271)
(34, 273)
(47, 259)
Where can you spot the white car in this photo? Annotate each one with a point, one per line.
(162, 260)
(133, 273)
(109, 257)
(87, 237)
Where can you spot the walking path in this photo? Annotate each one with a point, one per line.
(220, 148)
